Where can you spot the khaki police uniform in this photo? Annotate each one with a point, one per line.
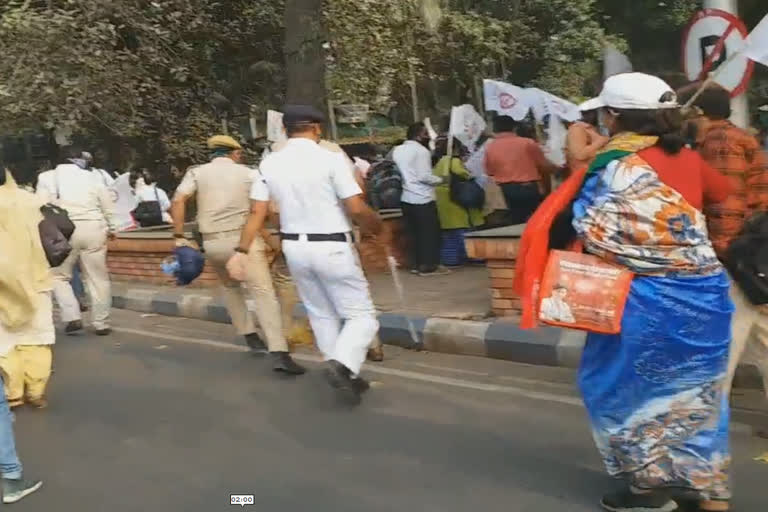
(308, 184)
(91, 209)
(222, 188)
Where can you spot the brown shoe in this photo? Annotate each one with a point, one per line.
(38, 403)
(376, 354)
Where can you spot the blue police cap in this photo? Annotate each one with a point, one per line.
(301, 114)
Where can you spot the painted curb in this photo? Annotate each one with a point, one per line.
(498, 339)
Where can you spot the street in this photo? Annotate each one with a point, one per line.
(168, 414)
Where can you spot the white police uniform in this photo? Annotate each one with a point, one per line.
(308, 184)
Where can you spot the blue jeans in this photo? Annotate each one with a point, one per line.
(10, 466)
(77, 282)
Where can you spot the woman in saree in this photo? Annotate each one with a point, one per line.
(653, 392)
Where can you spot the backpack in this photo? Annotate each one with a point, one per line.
(384, 185)
(747, 259)
(55, 243)
(149, 213)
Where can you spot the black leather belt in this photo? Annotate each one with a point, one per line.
(317, 237)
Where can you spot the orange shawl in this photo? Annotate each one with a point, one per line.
(534, 245)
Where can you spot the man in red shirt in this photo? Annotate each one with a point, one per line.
(739, 157)
(518, 165)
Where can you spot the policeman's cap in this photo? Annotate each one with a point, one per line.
(301, 114)
(223, 142)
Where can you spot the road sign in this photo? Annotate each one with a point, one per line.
(710, 39)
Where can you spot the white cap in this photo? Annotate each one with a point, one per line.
(633, 91)
(592, 104)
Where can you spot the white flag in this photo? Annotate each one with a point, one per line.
(546, 104)
(275, 129)
(466, 125)
(757, 43)
(506, 99)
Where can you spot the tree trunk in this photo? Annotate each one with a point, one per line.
(304, 54)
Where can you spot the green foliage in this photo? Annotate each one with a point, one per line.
(166, 72)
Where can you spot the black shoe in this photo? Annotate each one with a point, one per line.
(283, 362)
(103, 332)
(627, 501)
(361, 385)
(74, 326)
(256, 344)
(340, 378)
(15, 490)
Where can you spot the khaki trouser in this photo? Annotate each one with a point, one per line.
(89, 245)
(26, 366)
(749, 342)
(219, 248)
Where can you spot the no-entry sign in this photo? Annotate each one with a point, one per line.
(711, 38)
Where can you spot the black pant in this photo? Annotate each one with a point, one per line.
(522, 200)
(423, 227)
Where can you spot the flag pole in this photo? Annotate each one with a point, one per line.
(710, 80)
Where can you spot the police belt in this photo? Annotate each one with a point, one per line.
(318, 237)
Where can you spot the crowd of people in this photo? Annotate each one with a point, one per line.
(648, 186)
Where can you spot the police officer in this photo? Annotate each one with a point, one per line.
(316, 194)
(222, 187)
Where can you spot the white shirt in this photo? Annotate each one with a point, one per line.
(152, 192)
(308, 184)
(415, 164)
(103, 176)
(77, 191)
(556, 310)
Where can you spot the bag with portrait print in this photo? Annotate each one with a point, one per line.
(584, 292)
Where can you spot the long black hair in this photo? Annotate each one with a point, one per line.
(665, 123)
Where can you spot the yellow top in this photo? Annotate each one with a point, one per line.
(24, 270)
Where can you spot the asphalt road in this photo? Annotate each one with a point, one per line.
(167, 415)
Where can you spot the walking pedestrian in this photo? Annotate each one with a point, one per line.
(25, 313)
(518, 165)
(653, 392)
(222, 187)
(315, 192)
(414, 160)
(91, 209)
(739, 157)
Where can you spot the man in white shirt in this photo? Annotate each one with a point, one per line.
(555, 309)
(91, 209)
(414, 161)
(315, 191)
(221, 188)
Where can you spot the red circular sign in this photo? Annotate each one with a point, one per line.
(711, 37)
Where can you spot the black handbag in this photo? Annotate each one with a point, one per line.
(55, 243)
(58, 216)
(747, 259)
(149, 213)
(466, 192)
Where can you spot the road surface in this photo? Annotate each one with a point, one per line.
(168, 415)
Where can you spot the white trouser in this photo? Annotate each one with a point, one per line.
(332, 287)
(749, 341)
(89, 245)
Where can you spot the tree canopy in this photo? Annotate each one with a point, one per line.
(160, 76)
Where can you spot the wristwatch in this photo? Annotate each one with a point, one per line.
(241, 250)
(179, 235)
